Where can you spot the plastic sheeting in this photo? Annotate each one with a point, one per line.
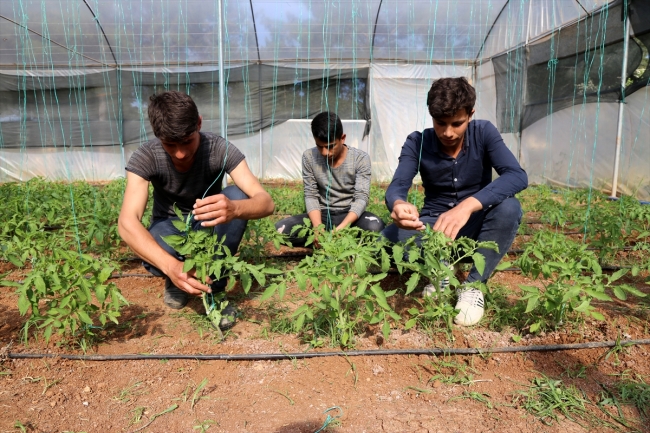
(398, 100)
(153, 33)
(575, 147)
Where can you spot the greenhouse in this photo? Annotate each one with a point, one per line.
(76, 77)
(385, 280)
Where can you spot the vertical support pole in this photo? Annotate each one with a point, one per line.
(120, 117)
(621, 102)
(222, 91)
(259, 91)
(523, 81)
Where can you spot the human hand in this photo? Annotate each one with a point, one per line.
(186, 281)
(406, 216)
(214, 209)
(453, 220)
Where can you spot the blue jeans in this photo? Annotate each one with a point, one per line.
(234, 231)
(498, 223)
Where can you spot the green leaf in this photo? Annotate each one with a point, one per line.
(268, 292)
(583, 307)
(619, 293)
(385, 261)
(535, 326)
(479, 262)
(360, 266)
(412, 282)
(15, 260)
(100, 293)
(282, 288)
(386, 330)
(23, 304)
(633, 290)
(361, 288)
(39, 284)
(104, 274)
(616, 275)
(301, 280)
(174, 240)
(598, 295)
(380, 296)
(533, 302)
(8, 283)
(410, 323)
(246, 282)
(596, 315)
(84, 317)
(503, 266)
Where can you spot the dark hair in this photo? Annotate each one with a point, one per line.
(448, 95)
(327, 126)
(173, 115)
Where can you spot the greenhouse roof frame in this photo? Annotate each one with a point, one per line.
(77, 34)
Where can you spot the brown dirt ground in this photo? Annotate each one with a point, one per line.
(374, 393)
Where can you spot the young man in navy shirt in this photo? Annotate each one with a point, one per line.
(455, 159)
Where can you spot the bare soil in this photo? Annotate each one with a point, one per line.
(371, 393)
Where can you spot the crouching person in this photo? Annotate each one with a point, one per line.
(455, 159)
(184, 164)
(336, 183)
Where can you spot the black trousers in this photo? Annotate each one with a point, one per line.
(367, 221)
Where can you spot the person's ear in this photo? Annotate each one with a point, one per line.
(471, 114)
(343, 138)
(198, 124)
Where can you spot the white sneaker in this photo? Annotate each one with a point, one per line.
(471, 305)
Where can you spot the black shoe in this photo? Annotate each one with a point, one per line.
(174, 297)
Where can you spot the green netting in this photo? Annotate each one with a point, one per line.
(75, 76)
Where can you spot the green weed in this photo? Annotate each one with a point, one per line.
(548, 398)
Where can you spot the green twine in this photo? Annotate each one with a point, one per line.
(330, 418)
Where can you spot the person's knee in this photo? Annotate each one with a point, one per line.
(282, 226)
(390, 232)
(233, 192)
(509, 210)
(374, 224)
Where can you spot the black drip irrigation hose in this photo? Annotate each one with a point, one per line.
(305, 355)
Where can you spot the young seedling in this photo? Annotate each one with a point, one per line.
(432, 258)
(64, 291)
(344, 293)
(574, 277)
(211, 260)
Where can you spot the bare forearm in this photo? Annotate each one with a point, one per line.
(315, 217)
(350, 218)
(258, 206)
(144, 245)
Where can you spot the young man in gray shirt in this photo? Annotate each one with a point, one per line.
(336, 180)
(186, 168)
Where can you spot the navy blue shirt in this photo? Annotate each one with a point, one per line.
(447, 181)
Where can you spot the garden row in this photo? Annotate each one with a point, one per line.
(62, 245)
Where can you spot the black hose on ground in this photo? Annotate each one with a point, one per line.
(305, 355)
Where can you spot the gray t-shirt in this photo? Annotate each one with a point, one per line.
(345, 188)
(214, 157)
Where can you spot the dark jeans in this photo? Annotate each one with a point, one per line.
(498, 223)
(234, 231)
(367, 221)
